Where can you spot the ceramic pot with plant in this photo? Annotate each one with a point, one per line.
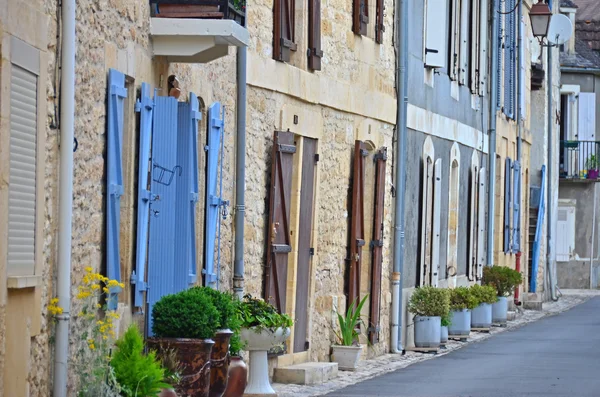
(263, 328)
(592, 167)
(461, 304)
(429, 305)
(504, 280)
(481, 316)
(186, 322)
(347, 351)
(237, 374)
(444, 329)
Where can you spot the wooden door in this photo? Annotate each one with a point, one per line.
(278, 242)
(357, 225)
(305, 251)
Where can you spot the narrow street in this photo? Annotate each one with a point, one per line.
(556, 356)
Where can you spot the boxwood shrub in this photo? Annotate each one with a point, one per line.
(502, 278)
(484, 293)
(461, 298)
(429, 302)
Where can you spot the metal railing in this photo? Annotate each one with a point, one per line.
(209, 9)
(579, 160)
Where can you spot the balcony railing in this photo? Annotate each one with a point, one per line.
(579, 160)
(200, 9)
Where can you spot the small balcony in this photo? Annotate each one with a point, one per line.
(579, 161)
(197, 31)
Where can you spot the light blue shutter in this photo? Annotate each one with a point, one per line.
(213, 200)
(145, 107)
(117, 94)
(516, 206)
(501, 44)
(507, 204)
(509, 60)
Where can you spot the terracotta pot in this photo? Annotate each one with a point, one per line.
(194, 357)
(237, 377)
(167, 393)
(219, 363)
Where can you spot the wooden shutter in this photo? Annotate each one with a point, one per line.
(284, 23)
(565, 238)
(454, 61)
(464, 43)
(481, 224)
(379, 22)
(116, 96)
(314, 35)
(377, 245)
(360, 16)
(278, 243)
(510, 45)
(145, 107)
(522, 68)
(424, 270)
(501, 44)
(436, 223)
(435, 43)
(475, 47)
(507, 203)
(483, 48)
(22, 209)
(357, 223)
(516, 207)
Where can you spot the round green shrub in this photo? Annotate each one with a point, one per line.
(186, 314)
(429, 302)
(484, 293)
(502, 278)
(226, 306)
(461, 298)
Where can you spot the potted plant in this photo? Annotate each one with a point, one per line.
(481, 316)
(592, 167)
(347, 352)
(429, 305)
(186, 322)
(237, 374)
(504, 280)
(262, 329)
(444, 329)
(461, 304)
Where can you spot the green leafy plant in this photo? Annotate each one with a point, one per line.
(186, 314)
(461, 298)
(429, 302)
(502, 278)
(446, 320)
(348, 334)
(592, 162)
(484, 293)
(261, 315)
(171, 364)
(226, 306)
(139, 375)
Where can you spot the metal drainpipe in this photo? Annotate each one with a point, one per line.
(401, 40)
(240, 173)
(549, 266)
(519, 141)
(67, 117)
(492, 135)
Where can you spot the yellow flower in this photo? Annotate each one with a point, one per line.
(105, 290)
(95, 287)
(92, 346)
(53, 301)
(100, 322)
(98, 306)
(104, 337)
(88, 269)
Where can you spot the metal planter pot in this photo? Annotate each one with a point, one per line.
(444, 335)
(500, 310)
(481, 316)
(428, 331)
(460, 323)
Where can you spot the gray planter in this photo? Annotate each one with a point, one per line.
(428, 331)
(444, 335)
(481, 316)
(460, 323)
(500, 310)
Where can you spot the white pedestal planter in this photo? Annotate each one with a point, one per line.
(500, 311)
(346, 356)
(258, 344)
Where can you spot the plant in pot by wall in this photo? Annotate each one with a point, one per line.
(481, 316)
(237, 374)
(186, 322)
(429, 305)
(461, 304)
(262, 329)
(444, 329)
(591, 164)
(504, 280)
(347, 351)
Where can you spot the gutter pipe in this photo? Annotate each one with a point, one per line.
(580, 70)
(519, 140)
(401, 46)
(67, 117)
(549, 222)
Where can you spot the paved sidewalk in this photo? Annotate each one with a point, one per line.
(387, 363)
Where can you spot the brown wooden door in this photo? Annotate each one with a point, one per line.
(278, 242)
(307, 188)
(357, 224)
(377, 245)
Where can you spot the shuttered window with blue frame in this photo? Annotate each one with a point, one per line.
(510, 58)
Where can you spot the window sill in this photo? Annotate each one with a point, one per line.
(21, 282)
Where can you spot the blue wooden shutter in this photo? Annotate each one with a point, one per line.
(145, 107)
(501, 43)
(117, 94)
(213, 200)
(507, 204)
(510, 59)
(516, 206)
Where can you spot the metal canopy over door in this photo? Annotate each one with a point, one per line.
(305, 252)
(357, 224)
(377, 246)
(278, 242)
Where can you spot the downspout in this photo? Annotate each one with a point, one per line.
(401, 44)
(492, 135)
(240, 173)
(593, 241)
(67, 116)
(519, 141)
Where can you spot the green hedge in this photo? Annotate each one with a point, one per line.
(484, 293)
(461, 298)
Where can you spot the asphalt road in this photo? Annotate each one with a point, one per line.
(556, 356)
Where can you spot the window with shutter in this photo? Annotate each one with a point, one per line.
(507, 204)
(481, 224)
(465, 43)
(284, 24)
(22, 208)
(455, 32)
(482, 71)
(522, 68)
(453, 215)
(314, 35)
(501, 44)
(516, 207)
(510, 60)
(379, 23)
(475, 47)
(357, 223)
(424, 271)
(435, 43)
(472, 215)
(360, 16)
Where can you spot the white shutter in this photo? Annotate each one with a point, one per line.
(454, 64)
(435, 33)
(464, 42)
(483, 46)
(481, 224)
(565, 238)
(22, 172)
(587, 116)
(426, 213)
(475, 43)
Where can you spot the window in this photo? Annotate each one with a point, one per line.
(507, 205)
(473, 217)
(425, 263)
(435, 43)
(360, 16)
(314, 35)
(453, 211)
(507, 57)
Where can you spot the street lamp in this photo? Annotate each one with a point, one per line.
(540, 15)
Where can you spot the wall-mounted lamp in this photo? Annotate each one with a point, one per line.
(540, 15)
